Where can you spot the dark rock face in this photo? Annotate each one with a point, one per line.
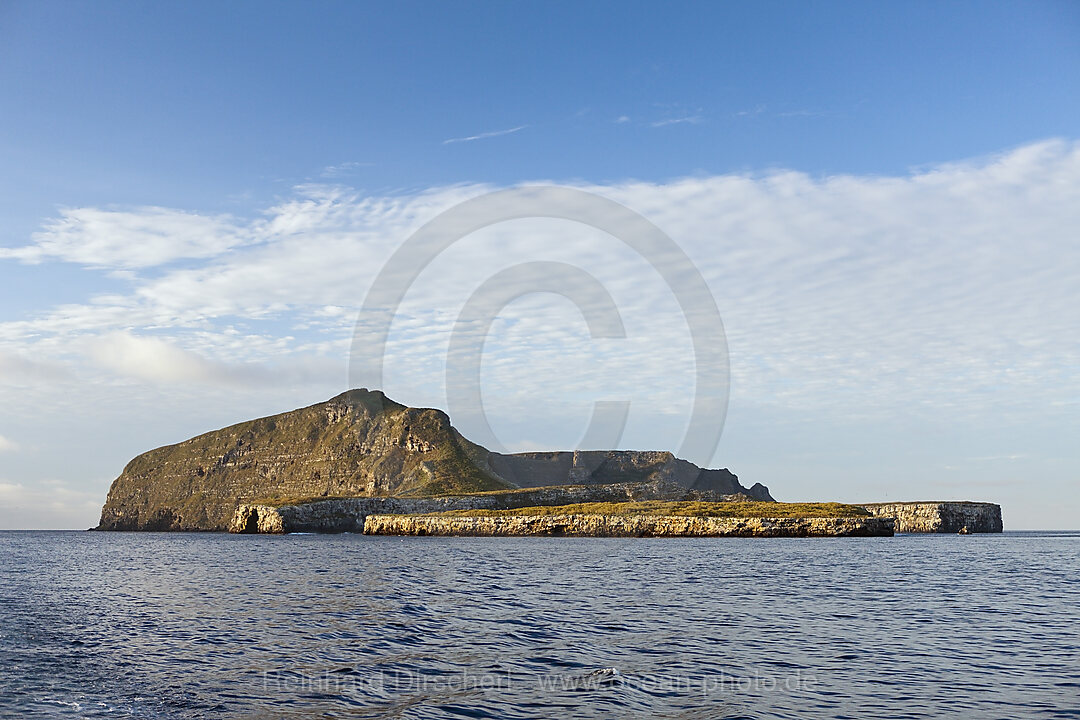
(596, 467)
(360, 445)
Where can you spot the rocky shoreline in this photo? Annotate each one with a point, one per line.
(348, 514)
(413, 516)
(626, 526)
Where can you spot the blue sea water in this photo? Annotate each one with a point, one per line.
(140, 625)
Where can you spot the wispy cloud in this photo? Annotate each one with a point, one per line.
(824, 284)
(157, 360)
(484, 136)
(137, 238)
(7, 446)
(343, 169)
(801, 113)
(759, 110)
(752, 112)
(945, 295)
(689, 119)
(622, 119)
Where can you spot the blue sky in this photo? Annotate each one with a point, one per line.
(881, 195)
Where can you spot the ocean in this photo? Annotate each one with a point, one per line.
(140, 625)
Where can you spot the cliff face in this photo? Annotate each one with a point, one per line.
(359, 445)
(941, 517)
(537, 469)
(628, 526)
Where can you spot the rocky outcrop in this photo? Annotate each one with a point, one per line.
(361, 445)
(358, 444)
(941, 517)
(348, 514)
(627, 526)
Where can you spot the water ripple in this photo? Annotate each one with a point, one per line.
(192, 626)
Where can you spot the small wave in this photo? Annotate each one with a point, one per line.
(597, 679)
(71, 704)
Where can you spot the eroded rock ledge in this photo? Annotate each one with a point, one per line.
(941, 517)
(627, 526)
(348, 514)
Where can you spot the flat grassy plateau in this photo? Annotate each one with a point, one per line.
(682, 509)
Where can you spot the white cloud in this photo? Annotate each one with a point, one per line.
(485, 135)
(344, 169)
(157, 360)
(153, 359)
(7, 446)
(946, 296)
(863, 293)
(138, 238)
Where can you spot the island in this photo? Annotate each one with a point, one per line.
(363, 463)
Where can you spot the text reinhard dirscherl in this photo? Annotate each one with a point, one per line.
(350, 682)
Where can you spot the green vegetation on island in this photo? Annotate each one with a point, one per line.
(678, 509)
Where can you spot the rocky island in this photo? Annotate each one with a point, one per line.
(361, 462)
(362, 450)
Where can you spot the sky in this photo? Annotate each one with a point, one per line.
(883, 199)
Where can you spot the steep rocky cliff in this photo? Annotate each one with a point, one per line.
(359, 445)
(628, 526)
(540, 469)
(941, 517)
